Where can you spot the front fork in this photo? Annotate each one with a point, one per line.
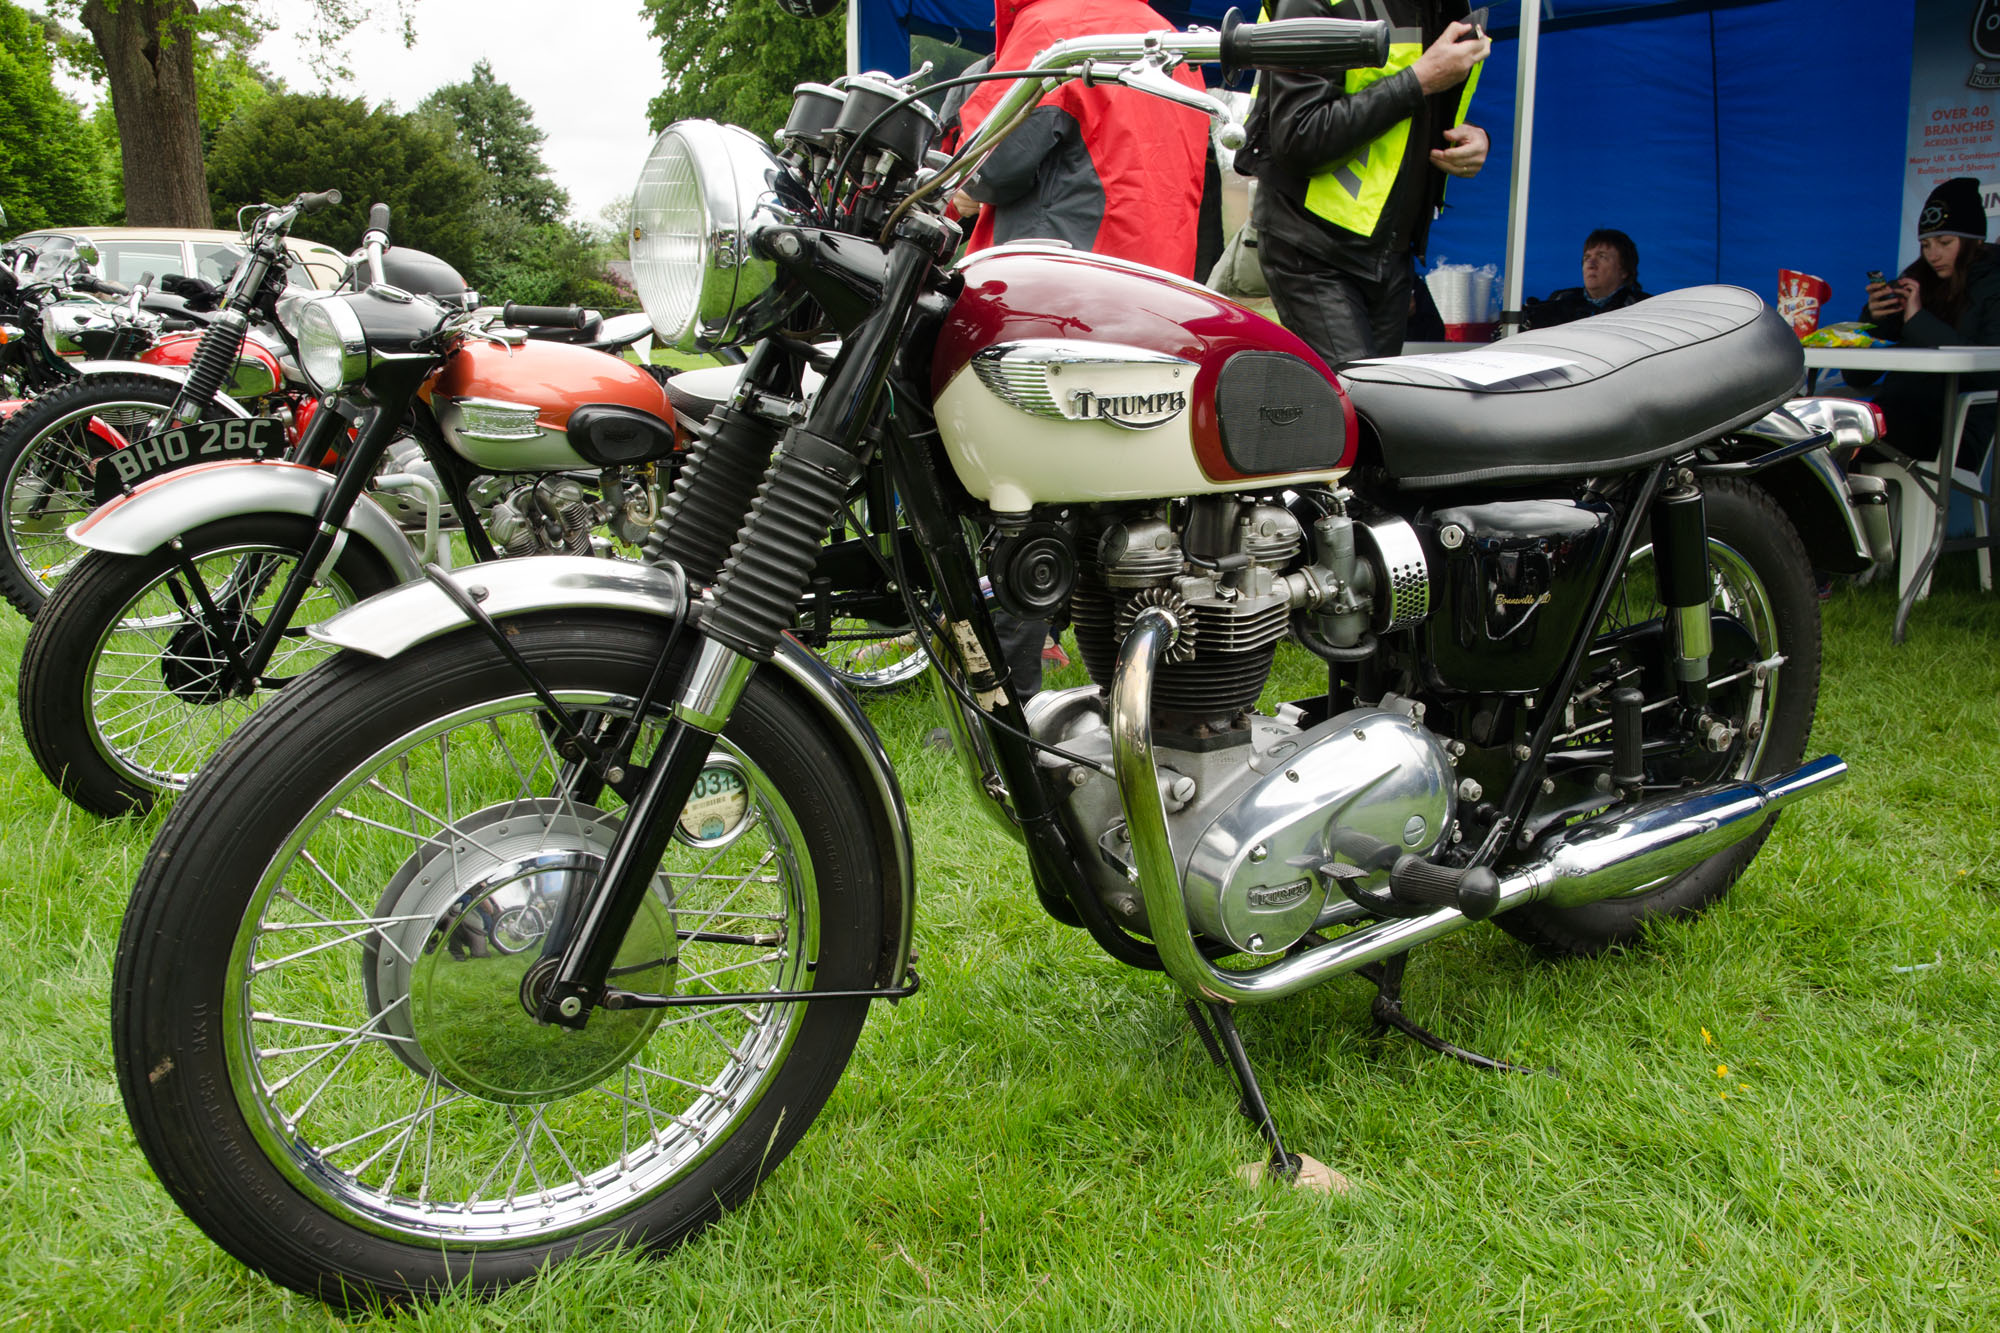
(756, 599)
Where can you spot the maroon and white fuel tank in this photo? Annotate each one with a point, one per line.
(1063, 377)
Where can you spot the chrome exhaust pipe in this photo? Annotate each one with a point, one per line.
(1652, 842)
(1645, 845)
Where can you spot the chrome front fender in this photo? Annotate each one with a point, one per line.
(173, 375)
(396, 621)
(179, 502)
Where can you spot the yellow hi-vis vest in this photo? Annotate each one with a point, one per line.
(1352, 192)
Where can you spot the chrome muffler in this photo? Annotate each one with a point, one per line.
(1611, 856)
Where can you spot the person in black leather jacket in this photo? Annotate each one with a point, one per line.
(1610, 282)
(1351, 168)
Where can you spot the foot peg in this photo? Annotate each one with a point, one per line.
(1475, 891)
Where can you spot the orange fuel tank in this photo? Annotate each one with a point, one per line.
(507, 408)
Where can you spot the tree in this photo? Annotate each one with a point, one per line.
(738, 62)
(499, 130)
(290, 142)
(146, 50)
(50, 170)
(227, 82)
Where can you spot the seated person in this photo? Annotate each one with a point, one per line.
(1948, 298)
(1610, 282)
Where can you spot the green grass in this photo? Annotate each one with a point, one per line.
(1035, 1141)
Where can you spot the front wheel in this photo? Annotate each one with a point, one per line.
(1765, 607)
(125, 687)
(324, 1054)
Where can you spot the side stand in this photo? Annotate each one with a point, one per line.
(1388, 1011)
(1284, 1165)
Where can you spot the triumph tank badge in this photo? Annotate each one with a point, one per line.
(1136, 388)
(1134, 411)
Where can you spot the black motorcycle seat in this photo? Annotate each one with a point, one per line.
(1633, 386)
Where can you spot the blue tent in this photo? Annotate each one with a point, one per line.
(1731, 138)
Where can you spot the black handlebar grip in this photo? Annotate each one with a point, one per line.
(544, 316)
(378, 219)
(313, 203)
(1303, 46)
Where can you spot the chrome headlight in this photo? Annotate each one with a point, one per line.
(702, 195)
(65, 322)
(333, 351)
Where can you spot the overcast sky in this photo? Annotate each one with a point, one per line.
(587, 67)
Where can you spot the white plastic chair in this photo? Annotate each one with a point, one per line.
(1917, 511)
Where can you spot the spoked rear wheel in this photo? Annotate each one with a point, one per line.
(48, 460)
(326, 1057)
(1765, 607)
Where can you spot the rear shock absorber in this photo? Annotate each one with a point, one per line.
(213, 362)
(1680, 570)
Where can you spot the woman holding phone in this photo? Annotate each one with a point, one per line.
(1950, 297)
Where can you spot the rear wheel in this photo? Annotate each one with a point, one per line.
(316, 1008)
(48, 459)
(124, 681)
(1765, 606)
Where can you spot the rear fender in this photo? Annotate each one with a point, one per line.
(1812, 490)
(173, 375)
(393, 622)
(179, 502)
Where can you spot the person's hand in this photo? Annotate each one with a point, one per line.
(1450, 59)
(1467, 153)
(1912, 296)
(964, 205)
(1884, 300)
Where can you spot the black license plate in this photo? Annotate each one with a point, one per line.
(184, 446)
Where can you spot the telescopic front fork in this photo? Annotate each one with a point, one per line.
(756, 600)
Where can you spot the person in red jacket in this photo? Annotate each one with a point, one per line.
(1107, 169)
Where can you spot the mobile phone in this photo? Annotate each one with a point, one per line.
(1875, 275)
(1477, 18)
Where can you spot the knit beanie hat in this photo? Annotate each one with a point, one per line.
(1953, 209)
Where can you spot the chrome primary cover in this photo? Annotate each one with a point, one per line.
(1340, 801)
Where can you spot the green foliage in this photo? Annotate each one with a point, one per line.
(51, 165)
(499, 130)
(288, 142)
(737, 62)
(525, 251)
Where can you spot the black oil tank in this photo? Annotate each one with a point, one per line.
(1513, 580)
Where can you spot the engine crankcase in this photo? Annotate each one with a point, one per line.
(1342, 800)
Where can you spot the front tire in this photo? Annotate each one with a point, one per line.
(329, 1066)
(121, 691)
(1763, 578)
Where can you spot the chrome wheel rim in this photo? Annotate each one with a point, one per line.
(156, 711)
(48, 485)
(321, 1061)
(1735, 590)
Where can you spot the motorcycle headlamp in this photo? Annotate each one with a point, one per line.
(333, 350)
(704, 192)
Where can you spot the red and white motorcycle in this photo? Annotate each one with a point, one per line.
(1567, 613)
